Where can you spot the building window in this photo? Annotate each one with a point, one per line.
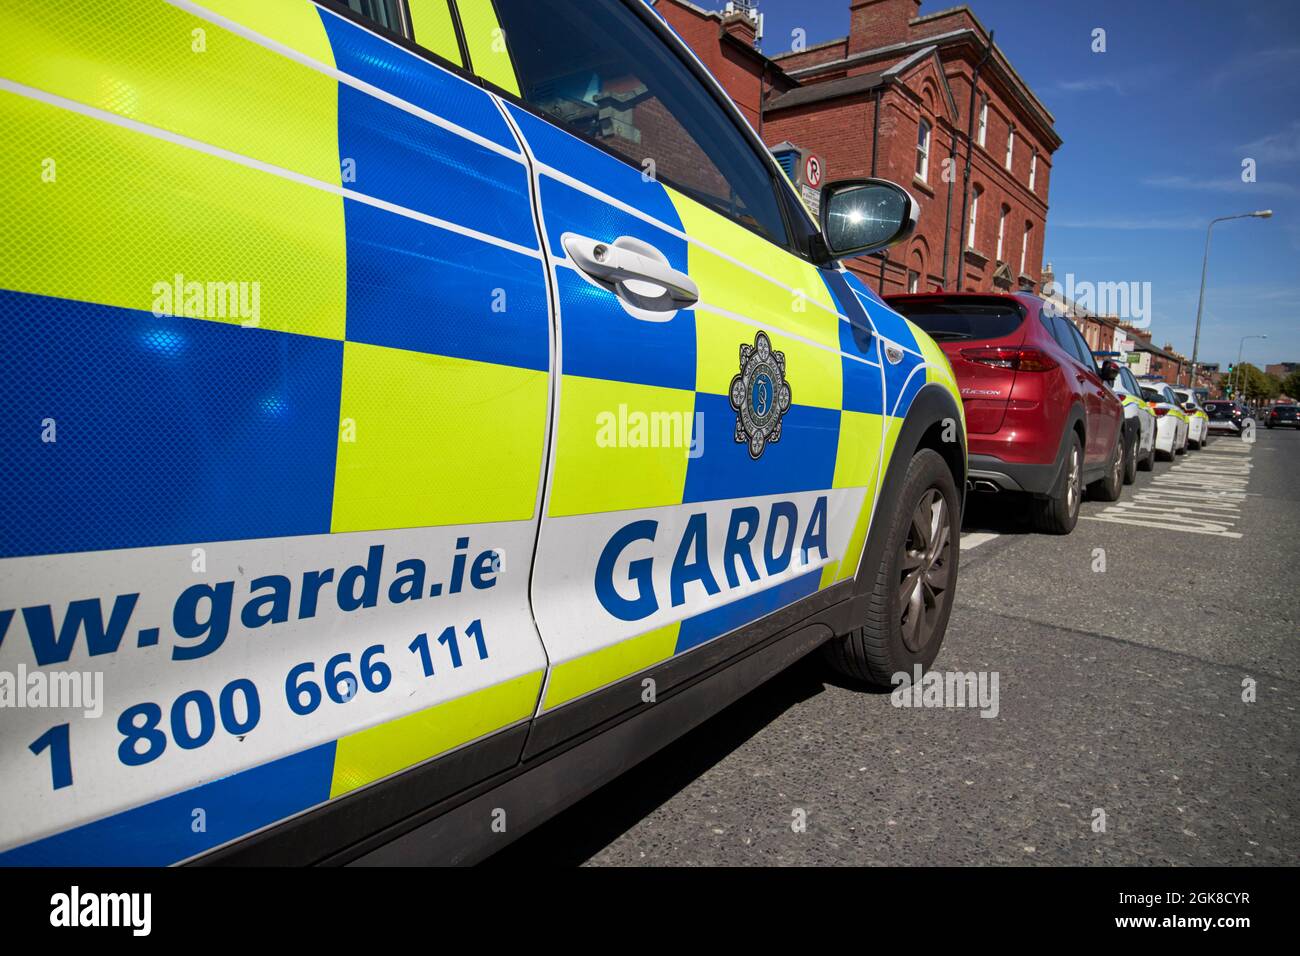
(922, 150)
(974, 215)
(913, 280)
(983, 133)
(1024, 247)
(1002, 229)
(1033, 169)
(1011, 144)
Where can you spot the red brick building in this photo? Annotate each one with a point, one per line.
(913, 99)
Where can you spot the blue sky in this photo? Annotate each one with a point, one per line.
(1155, 132)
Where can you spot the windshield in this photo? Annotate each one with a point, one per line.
(962, 318)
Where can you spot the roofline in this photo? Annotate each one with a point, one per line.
(981, 36)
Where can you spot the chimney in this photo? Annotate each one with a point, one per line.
(877, 23)
(740, 26)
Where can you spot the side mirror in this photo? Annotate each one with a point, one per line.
(1109, 371)
(861, 216)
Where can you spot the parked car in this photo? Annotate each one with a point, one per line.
(1171, 420)
(1040, 417)
(1283, 416)
(1198, 421)
(1226, 416)
(364, 564)
(1139, 425)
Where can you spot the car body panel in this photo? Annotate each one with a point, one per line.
(385, 202)
(1032, 408)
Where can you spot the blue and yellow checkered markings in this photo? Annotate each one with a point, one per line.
(567, 209)
(417, 81)
(705, 627)
(162, 832)
(600, 339)
(169, 430)
(802, 460)
(862, 382)
(902, 382)
(566, 153)
(138, 60)
(405, 160)
(886, 321)
(426, 289)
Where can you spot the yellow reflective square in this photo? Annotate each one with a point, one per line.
(432, 440)
(620, 446)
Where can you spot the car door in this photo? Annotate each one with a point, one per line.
(1131, 393)
(709, 466)
(1099, 403)
(293, 536)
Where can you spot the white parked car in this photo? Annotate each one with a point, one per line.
(1198, 419)
(1171, 420)
(1139, 425)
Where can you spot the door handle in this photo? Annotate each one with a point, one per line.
(634, 270)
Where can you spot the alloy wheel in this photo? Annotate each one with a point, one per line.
(924, 569)
(1074, 483)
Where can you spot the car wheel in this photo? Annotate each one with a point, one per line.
(911, 596)
(1149, 462)
(1131, 458)
(1058, 512)
(1109, 487)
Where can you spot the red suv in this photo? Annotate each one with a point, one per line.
(1040, 416)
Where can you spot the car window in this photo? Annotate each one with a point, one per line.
(599, 71)
(1130, 383)
(962, 318)
(384, 13)
(1151, 395)
(1081, 347)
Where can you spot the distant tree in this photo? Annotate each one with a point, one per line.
(1291, 385)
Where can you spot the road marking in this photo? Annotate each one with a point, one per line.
(1201, 495)
(973, 539)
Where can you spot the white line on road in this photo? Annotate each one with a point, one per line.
(973, 539)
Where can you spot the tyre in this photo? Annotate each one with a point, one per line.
(912, 593)
(1108, 488)
(1058, 512)
(1131, 458)
(1149, 462)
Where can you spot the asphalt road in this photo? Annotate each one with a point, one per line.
(1120, 690)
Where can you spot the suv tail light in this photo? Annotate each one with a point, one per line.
(1010, 357)
(1160, 410)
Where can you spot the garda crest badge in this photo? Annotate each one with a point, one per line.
(760, 395)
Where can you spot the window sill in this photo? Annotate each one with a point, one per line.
(924, 186)
(975, 257)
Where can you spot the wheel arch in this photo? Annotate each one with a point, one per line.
(927, 418)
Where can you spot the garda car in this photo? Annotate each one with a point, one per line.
(1139, 425)
(417, 412)
(1171, 420)
(1198, 420)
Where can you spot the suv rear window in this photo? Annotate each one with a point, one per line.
(1151, 395)
(962, 319)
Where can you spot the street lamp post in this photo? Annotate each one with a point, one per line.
(1237, 368)
(1205, 263)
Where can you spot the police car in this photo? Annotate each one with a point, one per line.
(1139, 425)
(415, 413)
(1172, 423)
